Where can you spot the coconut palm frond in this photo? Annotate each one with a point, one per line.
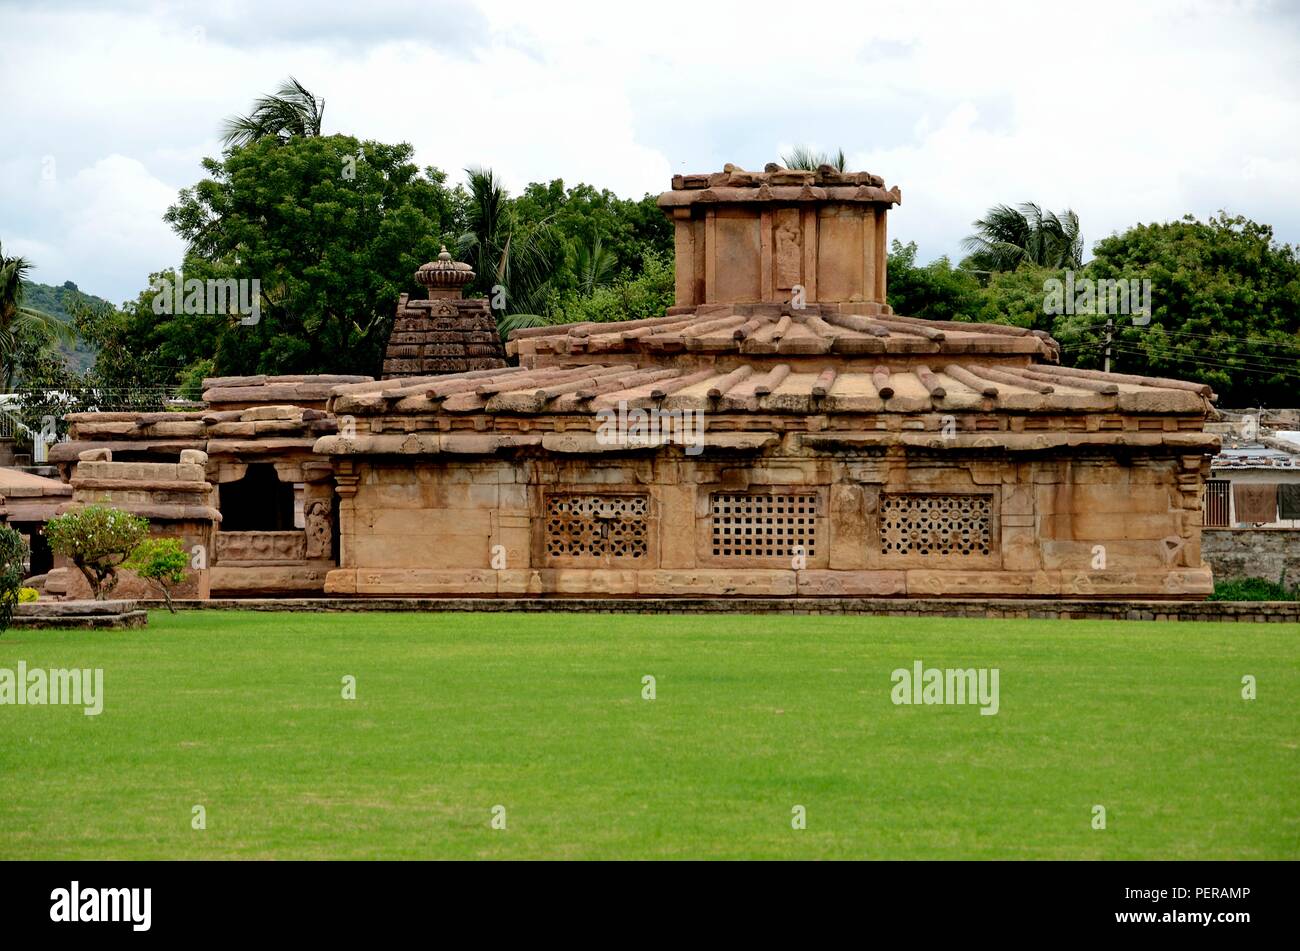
(19, 323)
(291, 111)
(1007, 237)
(803, 158)
(593, 264)
(519, 321)
(29, 322)
(517, 257)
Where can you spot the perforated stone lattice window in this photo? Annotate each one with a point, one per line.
(924, 524)
(596, 526)
(760, 526)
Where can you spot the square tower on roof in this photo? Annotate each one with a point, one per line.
(780, 234)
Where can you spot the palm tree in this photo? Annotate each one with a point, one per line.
(1007, 237)
(805, 159)
(593, 264)
(518, 257)
(291, 111)
(19, 323)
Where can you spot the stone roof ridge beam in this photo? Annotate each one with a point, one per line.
(594, 377)
(461, 382)
(545, 375)
(629, 381)
(966, 378)
(1006, 330)
(880, 380)
(861, 324)
(822, 385)
(929, 333)
(1157, 382)
(667, 388)
(764, 385)
(596, 329)
(636, 333)
(930, 382)
(523, 333)
(729, 382)
(1078, 383)
(750, 327)
(1014, 379)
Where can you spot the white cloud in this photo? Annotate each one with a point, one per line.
(95, 225)
(1125, 112)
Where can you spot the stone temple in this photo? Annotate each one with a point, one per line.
(810, 442)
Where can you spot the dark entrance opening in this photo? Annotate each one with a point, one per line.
(259, 502)
(42, 558)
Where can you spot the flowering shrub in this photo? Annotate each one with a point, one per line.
(98, 540)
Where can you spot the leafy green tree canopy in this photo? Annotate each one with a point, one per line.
(331, 227)
(1225, 306)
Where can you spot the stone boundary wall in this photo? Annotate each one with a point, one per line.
(1237, 553)
(1237, 611)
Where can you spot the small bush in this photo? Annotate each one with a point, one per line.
(28, 595)
(1255, 589)
(161, 561)
(13, 564)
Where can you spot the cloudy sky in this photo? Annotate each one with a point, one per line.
(1125, 111)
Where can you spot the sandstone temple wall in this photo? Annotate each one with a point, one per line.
(866, 524)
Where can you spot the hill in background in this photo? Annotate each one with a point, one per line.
(53, 300)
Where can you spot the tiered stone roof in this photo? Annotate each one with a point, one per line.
(445, 333)
(763, 388)
(767, 329)
(248, 415)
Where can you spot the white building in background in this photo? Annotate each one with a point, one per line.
(1249, 469)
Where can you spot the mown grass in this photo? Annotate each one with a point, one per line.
(242, 713)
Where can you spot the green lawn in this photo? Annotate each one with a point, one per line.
(455, 714)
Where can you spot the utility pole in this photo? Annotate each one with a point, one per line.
(1110, 335)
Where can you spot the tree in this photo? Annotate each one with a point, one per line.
(290, 111)
(332, 228)
(13, 565)
(1006, 238)
(935, 291)
(629, 230)
(121, 377)
(1225, 307)
(161, 561)
(97, 539)
(593, 265)
(509, 253)
(806, 159)
(647, 294)
(20, 323)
